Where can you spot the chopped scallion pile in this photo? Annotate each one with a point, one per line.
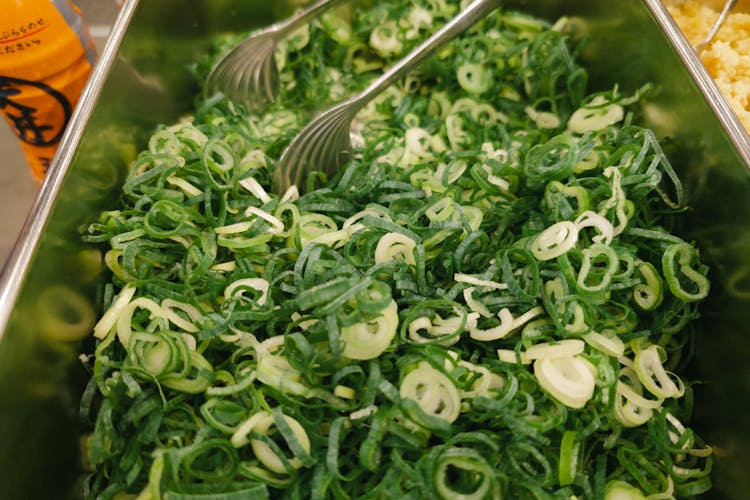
(486, 302)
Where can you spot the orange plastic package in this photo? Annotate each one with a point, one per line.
(46, 55)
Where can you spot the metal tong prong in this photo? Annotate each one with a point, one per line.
(728, 6)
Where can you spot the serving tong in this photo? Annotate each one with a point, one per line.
(248, 74)
(324, 143)
(725, 11)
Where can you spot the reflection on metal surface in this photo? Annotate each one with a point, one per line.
(146, 81)
(64, 314)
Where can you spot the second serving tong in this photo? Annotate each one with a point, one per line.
(324, 143)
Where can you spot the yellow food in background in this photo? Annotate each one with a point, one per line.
(727, 58)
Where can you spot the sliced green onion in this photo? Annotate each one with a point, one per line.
(694, 280)
(432, 391)
(569, 379)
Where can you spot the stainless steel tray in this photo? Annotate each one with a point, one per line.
(50, 288)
